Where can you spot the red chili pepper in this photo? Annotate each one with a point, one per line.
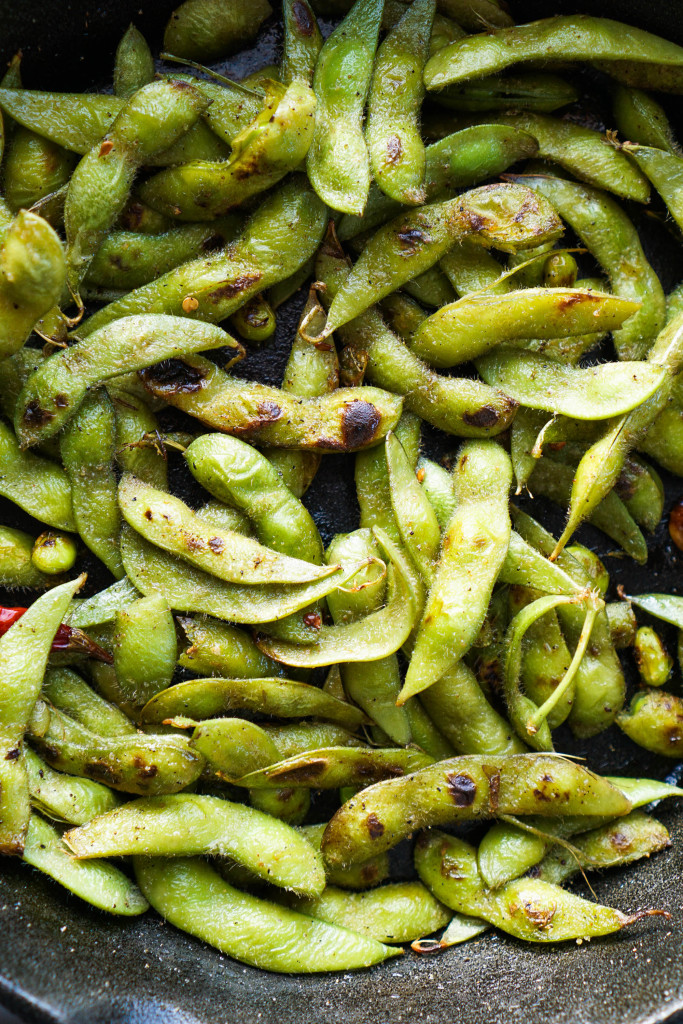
(67, 638)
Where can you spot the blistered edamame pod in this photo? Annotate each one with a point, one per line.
(608, 234)
(360, 876)
(24, 650)
(69, 693)
(457, 405)
(473, 550)
(438, 485)
(63, 797)
(107, 171)
(297, 737)
(394, 913)
(466, 718)
(563, 38)
(186, 824)
(128, 259)
(169, 523)
(302, 42)
(459, 160)
(372, 478)
(193, 897)
(527, 908)
(338, 164)
(87, 449)
(101, 607)
(332, 767)
(653, 660)
(367, 639)
(534, 91)
(136, 763)
(37, 485)
(415, 517)
(373, 685)
(134, 421)
(282, 698)
(32, 275)
(96, 882)
(145, 648)
(622, 623)
(460, 789)
(639, 118)
(621, 842)
(17, 568)
(347, 419)
(262, 154)
(655, 721)
(209, 29)
(34, 168)
(54, 392)
(133, 64)
(415, 241)
(219, 649)
(478, 322)
(665, 171)
(188, 589)
(641, 489)
(392, 132)
(234, 472)
(311, 370)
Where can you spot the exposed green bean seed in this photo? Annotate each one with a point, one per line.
(654, 662)
(17, 568)
(53, 553)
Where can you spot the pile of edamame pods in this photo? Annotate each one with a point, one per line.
(430, 194)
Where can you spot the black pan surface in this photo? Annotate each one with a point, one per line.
(62, 962)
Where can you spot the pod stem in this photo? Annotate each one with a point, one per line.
(210, 72)
(568, 678)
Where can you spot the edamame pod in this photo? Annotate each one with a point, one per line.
(413, 242)
(639, 118)
(56, 389)
(133, 64)
(262, 154)
(479, 322)
(534, 91)
(101, 607)
(69, 693)
(332, 767)
(96, 882)
(219, 649)
(665, 171)
(193, 897)
(302, 42)
(16, 566)
(34, 168)
(655, 721)
(415, 517)
(347, 419)
(361, 876)
(170, 524)
(473, 550)
(338, 164)
(145, 648)
(462, 789)
(134, 422)
(282, 698)
(186, 824)
(64, 798)
(210, 29)
(24, 650)
(392, 133)
(667, 607)
(569, 37)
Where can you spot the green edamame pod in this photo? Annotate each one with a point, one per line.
(473, 550)
(338, 164)
(279, 237)
(653, 721)
(56, 389)
(34, 168)
(208, 29)
(667, 607)
(606, 231)
(193, 897)
(665, 171)
(237, 474)
(394, 913)
(641, 489)
(36, 484)
(527, 908)
(534, 91)
(186, 824)
(129, 259)
(188, 589)
(133, 422)
(107, 171)
(24, 650)
(136, 763)
(639, 118)
(411, 243)
(225, 517)
(569, 37)
(360, 876)
(298, 737)
(438, 485)
(415, 517)
(17, 568)
(622, 623)
(372, 478)
(64, 798)
(262, 154)
(102, 607)
(392, 133)
(255, 320)
(133, 65)
(219, 649)
(654, 663)
(145, 648)
(87, 449)
(302, 42)
(69, 693)
(332, 767)
(459, 789)
(96, 882)
(282, 698)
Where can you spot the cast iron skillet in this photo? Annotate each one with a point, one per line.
(63, 962)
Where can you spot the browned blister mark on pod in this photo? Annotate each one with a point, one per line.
(493, 775)
(539, 917)
(13, 754)
(267, 412)
(304, 773)
(35, 416)
(216, 544)
(102, 771)
(394, 150)
(144, 770)
(359, 423)
(313, 620)
(411, 239)
(374, 826)
(485, 417)
(369, 874)
(574, 299)
(303, 19)
(232, 288)
(61, 401)
(173, 376)
(620, 841)
(462, 789)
